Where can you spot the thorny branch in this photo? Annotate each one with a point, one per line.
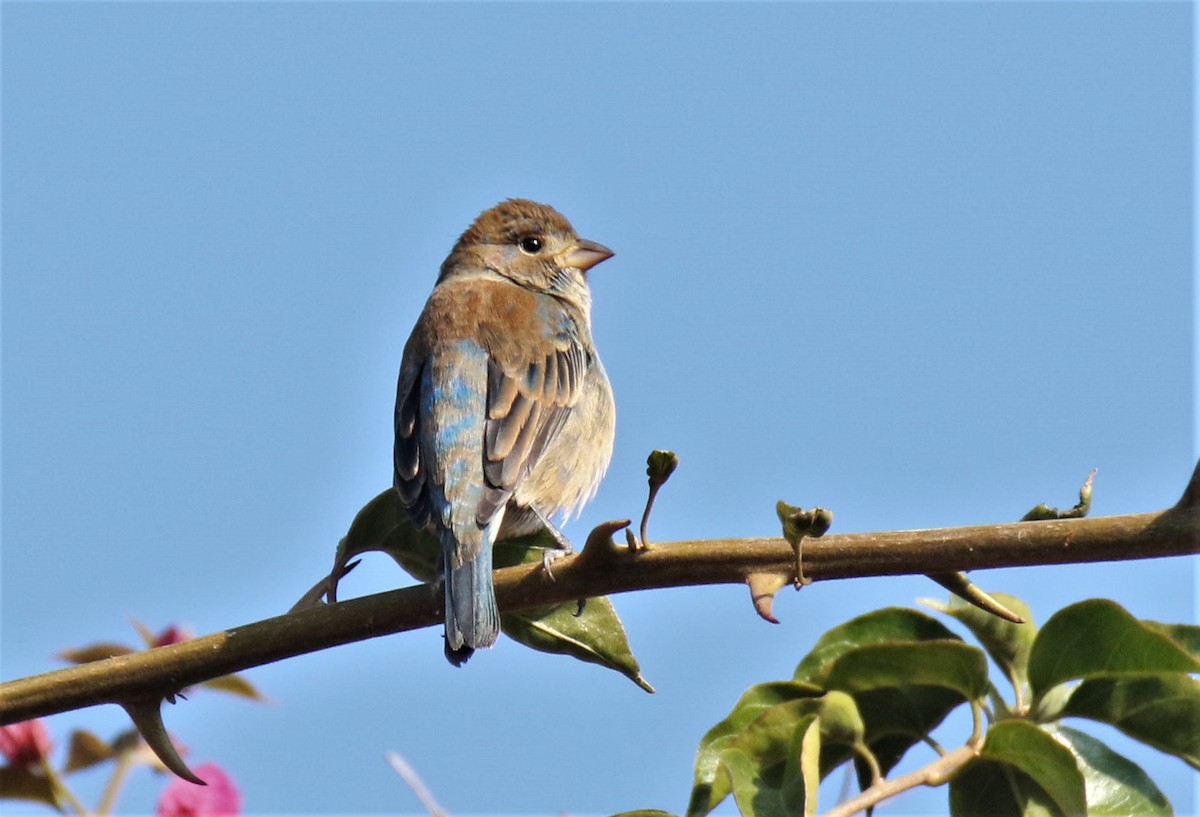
(157, 674)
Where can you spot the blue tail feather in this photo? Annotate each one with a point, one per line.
(472, 620)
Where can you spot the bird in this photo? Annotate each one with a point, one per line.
(504, 413)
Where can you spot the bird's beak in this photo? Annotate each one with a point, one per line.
(585, 255)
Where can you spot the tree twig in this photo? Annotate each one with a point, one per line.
(157, 673)
(932, 774)
(409, 775)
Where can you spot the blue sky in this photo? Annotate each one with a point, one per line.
(921, 263)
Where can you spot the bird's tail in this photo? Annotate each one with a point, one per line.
(472, 620)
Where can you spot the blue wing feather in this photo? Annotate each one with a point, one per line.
(471, 423)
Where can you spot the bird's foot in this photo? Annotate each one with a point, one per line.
(549, 557)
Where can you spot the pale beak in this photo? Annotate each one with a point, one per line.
(585, 255)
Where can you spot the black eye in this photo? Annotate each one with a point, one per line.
(531, 244)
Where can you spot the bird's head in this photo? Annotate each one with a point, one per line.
(530, 244)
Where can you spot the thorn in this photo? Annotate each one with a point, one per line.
(600, 545)
(763, 587)
(1191, 494)
(147, 717)
(326, 588)
(340, 569)
(312, 598)
(632, 543)
(968, 591)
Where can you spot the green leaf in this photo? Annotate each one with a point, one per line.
(383, 525)
(129, 740)
(1114, 785)
(1026, 747)
(1050, 707)
(1044, 511)
(1007, 643)
(1186, 636)
(887, 626)
(950, 664)
(709, 787)
(26, 784)
(802, 769)
(144, 632)
(768, 738)
(903, 691)
(986, 788)
(899, 704)
(1021, 770)
(1161, 710)
(753, 795)
(235, 685)
(645, 812)
(86, 749)
(94, 652)
(1099, 637)
(840, 719)
(595, 636)
(756, 764)
(898, 718)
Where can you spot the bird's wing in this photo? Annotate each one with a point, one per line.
(532, 386)
(408, 475)
(441, 405)
(476, 405)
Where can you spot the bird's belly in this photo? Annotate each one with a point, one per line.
(567, 474)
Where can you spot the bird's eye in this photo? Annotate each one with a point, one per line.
(531, 244)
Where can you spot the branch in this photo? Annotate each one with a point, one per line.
(603, 570)
(936, 773)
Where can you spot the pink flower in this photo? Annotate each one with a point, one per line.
(171, 635)
(24, 744)
(220, 798)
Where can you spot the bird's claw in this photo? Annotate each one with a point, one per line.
(551, 556)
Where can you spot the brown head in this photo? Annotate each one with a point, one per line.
(528, 243)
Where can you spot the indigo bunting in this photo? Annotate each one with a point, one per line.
(504, 414)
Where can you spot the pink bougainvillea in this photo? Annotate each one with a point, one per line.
(173, 634)
(26, 743)
(220, 798)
